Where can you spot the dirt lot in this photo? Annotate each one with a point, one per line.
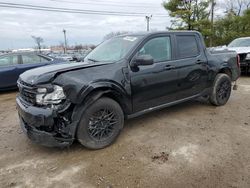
(188, 145)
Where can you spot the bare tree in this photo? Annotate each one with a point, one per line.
(237, 6)
(38, 41)
(246, 4)
(240, 6)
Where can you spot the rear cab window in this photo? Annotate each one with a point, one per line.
(187, 46)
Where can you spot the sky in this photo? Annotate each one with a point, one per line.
(18, 25)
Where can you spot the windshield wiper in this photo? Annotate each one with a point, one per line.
(93, 60)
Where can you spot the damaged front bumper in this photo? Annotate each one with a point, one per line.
(40, 125)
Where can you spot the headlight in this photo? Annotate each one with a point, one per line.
(248, 56)
(54, 97)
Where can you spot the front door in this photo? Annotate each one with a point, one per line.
(156, 84)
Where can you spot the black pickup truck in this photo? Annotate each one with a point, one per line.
(123, 77)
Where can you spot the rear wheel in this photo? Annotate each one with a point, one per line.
(100, 124)
(221, 90)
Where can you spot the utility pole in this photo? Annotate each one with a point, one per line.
(148, 18)
(212, 23)
(65, 41)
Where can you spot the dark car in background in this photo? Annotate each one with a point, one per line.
(14, 64)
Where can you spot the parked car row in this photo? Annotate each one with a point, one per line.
(74, 56)
(14, 64)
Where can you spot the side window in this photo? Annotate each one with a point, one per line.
(8, 60)
(159, 48)
(187, 46)
(32, 58)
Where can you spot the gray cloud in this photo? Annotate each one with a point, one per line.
(18, 25)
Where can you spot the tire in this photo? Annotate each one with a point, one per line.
(221, 90)
(100, 124)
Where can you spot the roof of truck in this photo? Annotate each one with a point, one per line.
(157, 32)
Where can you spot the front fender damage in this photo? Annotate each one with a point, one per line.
(66, 122)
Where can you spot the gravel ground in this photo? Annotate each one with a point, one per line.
(189, 145)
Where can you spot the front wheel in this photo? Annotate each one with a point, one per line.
(221, 90)
(100, 124)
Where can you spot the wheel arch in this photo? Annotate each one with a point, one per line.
(117, 95)
(89, 95)
(226, 71)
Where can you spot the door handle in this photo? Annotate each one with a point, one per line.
(199, 62)
(169, 67)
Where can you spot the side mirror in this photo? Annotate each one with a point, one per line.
(142, 60)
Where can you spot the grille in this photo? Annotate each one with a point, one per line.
(27, 92)
(242, 57)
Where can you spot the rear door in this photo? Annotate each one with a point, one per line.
(191, 63)
(8, 71)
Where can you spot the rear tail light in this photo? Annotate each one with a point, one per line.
(238, 61)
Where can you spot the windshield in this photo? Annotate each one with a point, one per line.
(113, 49)
(244, 42)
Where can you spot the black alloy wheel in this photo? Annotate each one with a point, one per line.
(221, 90)
(100, 124)
(224, 90)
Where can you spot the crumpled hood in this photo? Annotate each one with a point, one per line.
(47, 73)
